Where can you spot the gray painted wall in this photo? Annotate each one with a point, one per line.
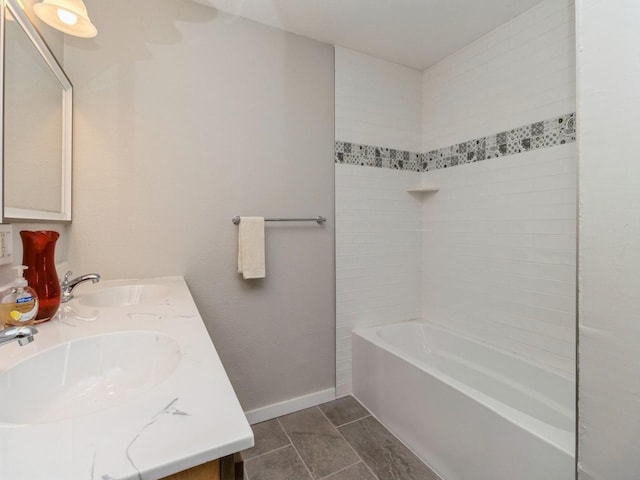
(185, 117)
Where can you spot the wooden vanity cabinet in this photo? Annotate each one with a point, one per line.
(230, 467)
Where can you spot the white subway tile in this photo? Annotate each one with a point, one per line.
(522, 254)
(343, 355)
(344, 389)
(525, 78)
(377, 102)
(343, 379)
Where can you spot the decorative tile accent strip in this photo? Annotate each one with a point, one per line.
(367, 155)
(548, 133)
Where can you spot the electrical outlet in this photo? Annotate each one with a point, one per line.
(6, 244)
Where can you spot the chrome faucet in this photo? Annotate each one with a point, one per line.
(24, 335)
(67, 286)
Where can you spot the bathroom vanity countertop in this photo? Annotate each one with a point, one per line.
(191, 417)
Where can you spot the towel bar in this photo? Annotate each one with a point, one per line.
(319, 220)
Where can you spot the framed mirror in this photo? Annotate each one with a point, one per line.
(36, 124)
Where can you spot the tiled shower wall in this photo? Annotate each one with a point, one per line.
(378, 249)
(520, 73)
(499, 243)
(377, 102)
(499, 252)
(496, 259)
(378, 239)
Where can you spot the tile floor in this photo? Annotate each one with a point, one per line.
(338, 440)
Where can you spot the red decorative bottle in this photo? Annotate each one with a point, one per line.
(39, 255)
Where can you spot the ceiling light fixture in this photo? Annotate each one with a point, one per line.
(68, 16)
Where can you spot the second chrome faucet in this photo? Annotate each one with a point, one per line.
(67, 285)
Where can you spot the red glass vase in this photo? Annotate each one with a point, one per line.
(39, 248)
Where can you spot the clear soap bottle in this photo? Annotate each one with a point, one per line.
(18, 301)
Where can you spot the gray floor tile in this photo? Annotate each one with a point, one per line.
(283, 464)
(268, 436)
(344, 410)
(359, 471)
(387, 457)
(321, 447)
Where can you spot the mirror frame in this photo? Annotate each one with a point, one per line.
(12, 213)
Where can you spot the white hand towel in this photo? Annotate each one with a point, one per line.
(251, 262)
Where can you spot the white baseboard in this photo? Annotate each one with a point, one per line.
(289, 406)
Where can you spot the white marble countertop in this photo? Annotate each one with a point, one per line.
(189, 418)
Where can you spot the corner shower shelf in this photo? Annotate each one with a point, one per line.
(424, 189)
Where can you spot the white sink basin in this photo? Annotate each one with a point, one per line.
(86, 376)
(125, 295)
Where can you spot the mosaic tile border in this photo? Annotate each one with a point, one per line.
(371, 156)
(544, 134)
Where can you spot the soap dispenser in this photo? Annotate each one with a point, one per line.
(18, 301)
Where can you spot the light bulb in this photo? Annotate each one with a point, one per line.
(67, 17)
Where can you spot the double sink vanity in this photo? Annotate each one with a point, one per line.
(124, 383)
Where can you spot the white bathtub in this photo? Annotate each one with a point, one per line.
(470, 411)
